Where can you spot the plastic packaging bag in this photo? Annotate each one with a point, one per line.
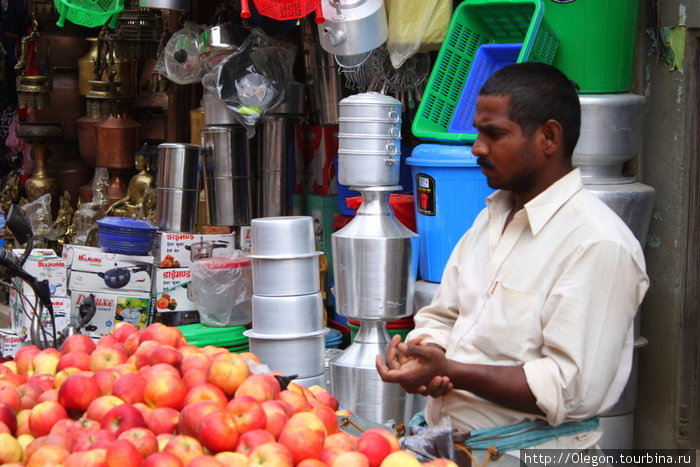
(181, 60)
(222, 289)
(39, 214)
(435, 442)
(253, 79)
(416, 26)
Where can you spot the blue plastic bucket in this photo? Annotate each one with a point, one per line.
(449, 191)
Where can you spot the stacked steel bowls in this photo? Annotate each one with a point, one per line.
(287, 306)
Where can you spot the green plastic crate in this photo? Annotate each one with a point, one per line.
(474, 23)
(231, 337)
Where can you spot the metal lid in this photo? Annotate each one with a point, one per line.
(370, 98)
(179, 146)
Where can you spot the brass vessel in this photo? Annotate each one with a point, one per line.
(40, 135)
(126, 72)
(118, 139)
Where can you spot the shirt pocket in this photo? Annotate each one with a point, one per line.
(509, 329)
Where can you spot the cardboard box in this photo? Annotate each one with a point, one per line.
(10, 342)
(246, 239)
(320, 144)
(172, 249)
(92, 259)
(116, 280)
(110, 308)
(21, 309)
(44, 264)
(170, 290)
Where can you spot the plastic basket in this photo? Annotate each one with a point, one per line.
(475, 23)
(89, 13)
(488, 59)
(200, 335)
(283, 10)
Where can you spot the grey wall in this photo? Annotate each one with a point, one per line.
(667, 161)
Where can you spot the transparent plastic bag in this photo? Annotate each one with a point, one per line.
(39, 214)
(181, 60)
(222, 289)
(253, 79)
(435, 442)
(416, 26)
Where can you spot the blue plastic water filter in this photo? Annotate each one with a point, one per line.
(449, 191)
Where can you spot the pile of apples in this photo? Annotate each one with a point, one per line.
(148, 398)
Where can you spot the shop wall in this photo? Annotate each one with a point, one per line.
(667, 413)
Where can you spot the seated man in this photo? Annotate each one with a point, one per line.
(533, 319)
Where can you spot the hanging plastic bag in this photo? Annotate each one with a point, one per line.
(416, 26)
(253, 79)
(181, 60)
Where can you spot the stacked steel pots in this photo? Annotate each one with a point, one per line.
(287, 306)
(177, 183)
(375, 256)
(611, 134)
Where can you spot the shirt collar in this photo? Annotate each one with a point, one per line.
(542, 208)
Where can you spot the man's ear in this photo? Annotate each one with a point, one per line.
(552, 137)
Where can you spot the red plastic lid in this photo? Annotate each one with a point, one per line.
(223, 263)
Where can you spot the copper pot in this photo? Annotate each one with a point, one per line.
(87, 137)
(126, 72)
(118, 139)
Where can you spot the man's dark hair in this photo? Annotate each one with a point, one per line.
(538, 92)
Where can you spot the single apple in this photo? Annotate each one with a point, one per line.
(165, 354)
(271, 455)
(327, 399)
(192, 361)
(24, 357)
(28, 393)
(227, 371)
(44, 415)
(232, 459)
(48, 455)
(165, 389)
(43, 380)
(328, 417)
(250, 440)
(100, 406)
(205, 460)
(340, 441)
(217, 431)
(303, 442)
(10, 395)
(184, 447)
(192, 414)
(295, 399)
(97, 439)
(131, 343)
(248, 413)
(250, 356)
(275, 417)
(307, 420)
(14, 379)
(262, 386)
(46, 361)
(80, 342)
(206, 392)
(63, 375)
(159, 332)
(311, 463)
(121, 418)
(162, 459)
(48, 395)
(77, 392)
(376, 444)
(123, 329)
(92, 457)
(162, 420)
(129, 388)
(105, 379)
(142, 438)
(74, 359)
(107, 341)
(122, 453)
(106, 357)
(194, 377)
(10, 449)
(354, 458)
(400, 459)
